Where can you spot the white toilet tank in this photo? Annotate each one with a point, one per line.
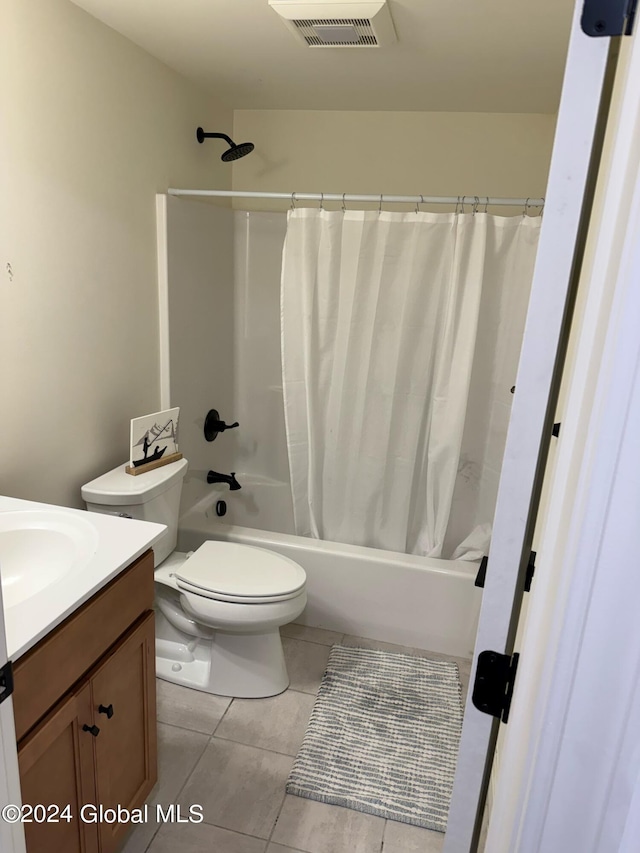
(152, 496)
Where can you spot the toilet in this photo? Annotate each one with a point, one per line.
(219, 608)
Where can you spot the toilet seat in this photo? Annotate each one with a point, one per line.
(244, 574)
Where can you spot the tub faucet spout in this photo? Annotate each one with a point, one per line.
(229, 479)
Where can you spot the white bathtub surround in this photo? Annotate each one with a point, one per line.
(197, 339)
(262, 503)
(380, 322)
(261, 448)
(406, 599)
(223, 310)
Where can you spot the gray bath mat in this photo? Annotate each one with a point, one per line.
(383, 737)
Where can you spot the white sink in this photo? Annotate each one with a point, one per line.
(39, 547)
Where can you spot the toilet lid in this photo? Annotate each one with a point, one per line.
(232, 571)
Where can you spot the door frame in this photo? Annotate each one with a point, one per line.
(11, 834)
(575, 159)
(586, 573)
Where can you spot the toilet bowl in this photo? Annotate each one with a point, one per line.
(219, 608)
(216, 630)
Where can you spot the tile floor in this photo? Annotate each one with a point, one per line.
(233, 757)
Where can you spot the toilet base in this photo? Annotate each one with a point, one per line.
(245, 666)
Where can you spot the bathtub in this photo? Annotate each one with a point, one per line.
(399, 598)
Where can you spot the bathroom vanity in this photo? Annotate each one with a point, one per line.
(83, 652)
(91, 684)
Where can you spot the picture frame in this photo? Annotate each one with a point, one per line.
(153, 441)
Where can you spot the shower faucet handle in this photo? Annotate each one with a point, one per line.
(213, 425)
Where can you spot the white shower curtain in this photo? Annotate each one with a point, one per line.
(379, 316)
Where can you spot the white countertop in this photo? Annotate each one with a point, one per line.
(118, 541)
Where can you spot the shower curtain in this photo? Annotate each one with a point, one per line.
(379, 320)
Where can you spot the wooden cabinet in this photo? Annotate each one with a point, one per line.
(125, 750)
(56, 768)
(96, 746)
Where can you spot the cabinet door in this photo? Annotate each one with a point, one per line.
(56, 769)
(123, 699)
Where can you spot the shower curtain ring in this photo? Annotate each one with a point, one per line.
(526, 206)
(486, 204)
(380, 205)
(476, 204)
(344, 209)
(293, 201)
(321, 201)
(419, 203)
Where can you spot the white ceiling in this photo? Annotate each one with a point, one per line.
(452, 55)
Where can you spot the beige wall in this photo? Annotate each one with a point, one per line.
(396, 153)
(92, 128)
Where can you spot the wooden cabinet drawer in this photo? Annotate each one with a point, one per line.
(44, 674)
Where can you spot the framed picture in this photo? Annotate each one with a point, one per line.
(154, 438)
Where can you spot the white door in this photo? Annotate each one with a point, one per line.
(569, 187)
(583, 612)
(11, 835)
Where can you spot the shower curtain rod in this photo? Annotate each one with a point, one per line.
(344, 198)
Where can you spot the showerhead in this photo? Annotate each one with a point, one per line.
(234, 152)
(237, 151)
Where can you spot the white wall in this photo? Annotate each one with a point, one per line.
(93, 127)
(262, 446)
(223, 271)
(392, 152)
(201, 333)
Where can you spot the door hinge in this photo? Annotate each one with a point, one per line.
(531, 567)
(608, 17)
(493, 686)
(482, 572)
(6, 681)
(531, 570)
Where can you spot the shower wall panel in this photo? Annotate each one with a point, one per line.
(261, 446)
(201, 345)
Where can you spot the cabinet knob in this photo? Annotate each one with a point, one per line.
(108, 710)
(93, 730)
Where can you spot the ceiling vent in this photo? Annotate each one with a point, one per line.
(334, 23)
